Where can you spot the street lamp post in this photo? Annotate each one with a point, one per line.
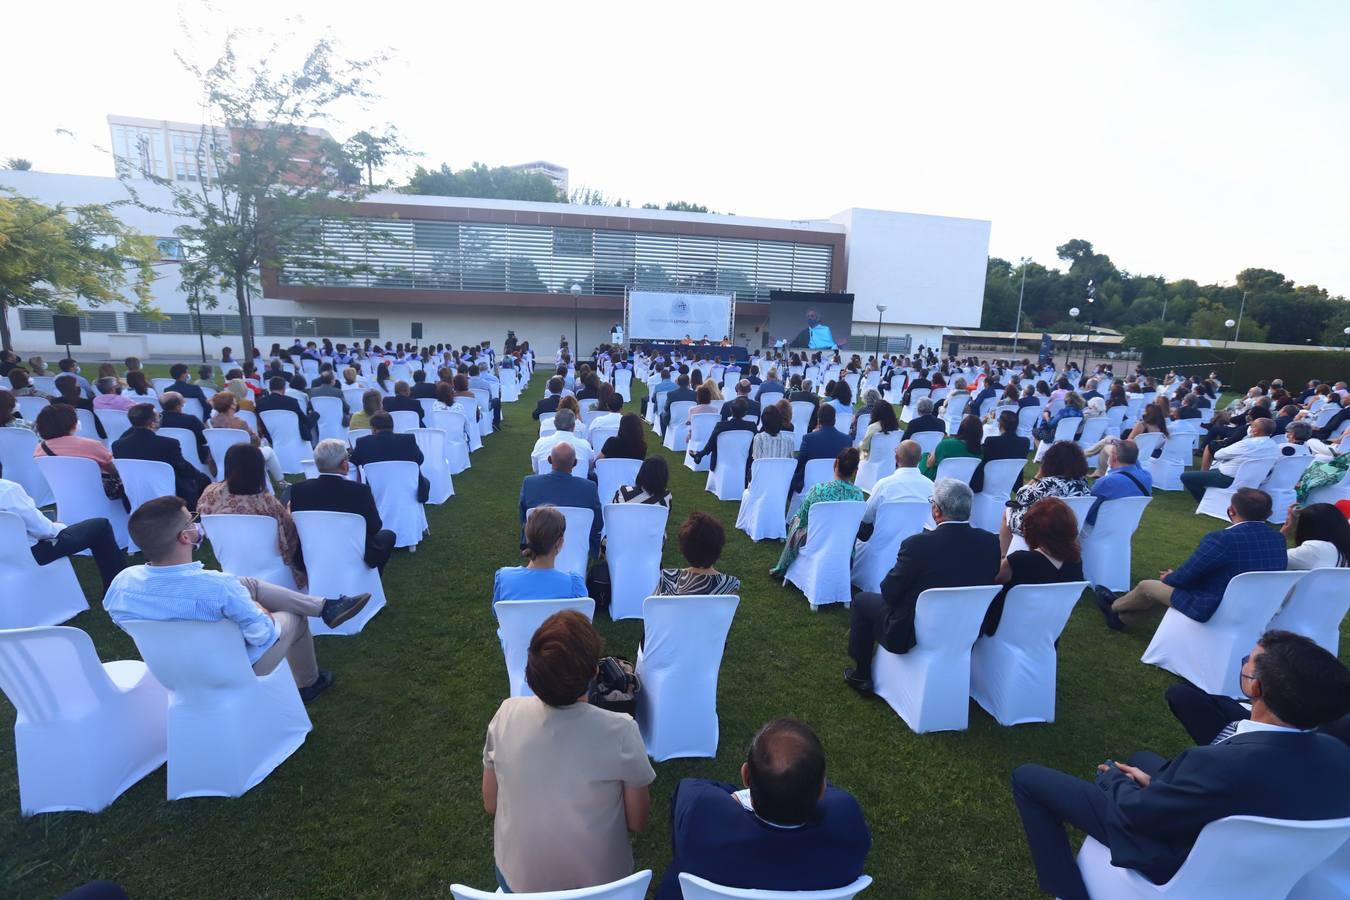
(1068, 357)
(1087, 332)
(1022, 291)
(1238, 327)
(881, 308)
(1229, 324)
(576, 320)
(1346, 331)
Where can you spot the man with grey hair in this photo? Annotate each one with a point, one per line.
(1296, 437)
(110, 395)
(333, 492)
(565, 421)
(1257, 445)
(925, 420)
(953, 554)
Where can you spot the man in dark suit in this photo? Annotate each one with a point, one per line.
(383, 444)
(179, 373)
(325, 368)
(742, 393)
(952, 555)
(732, 420)
(791, 830)
(919, 383)
(680, 393)
(333, 492)
(1150, 812)
(141, 442)
(1028, 397)
(172, 416)
(402, 401)
(992, 389)
(549, 404)
(276, 398)
(824, 443)
(1007, 444)
(559, 487)
(326, 386)
(1091, 390)
(925, 420)
(422, 389)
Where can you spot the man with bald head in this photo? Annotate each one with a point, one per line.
(559, 487)
(743, 388)
(905, 483)
(788, 830)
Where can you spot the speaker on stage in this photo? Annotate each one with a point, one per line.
(417, 331)
(66, 329)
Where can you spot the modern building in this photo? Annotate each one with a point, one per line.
(552, 171)
(182, 151)
(469, 269)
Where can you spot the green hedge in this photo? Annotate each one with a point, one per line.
(1246, 367)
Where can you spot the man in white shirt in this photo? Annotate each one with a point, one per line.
(1257, 445)
(273, 621)
(565, 421)
(905, 483)
(49, 541)
(609, 419)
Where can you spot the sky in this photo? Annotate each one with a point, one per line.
(1186, 139)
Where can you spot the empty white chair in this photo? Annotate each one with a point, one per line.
(247, 545)
(1315, 608)
(635, 533)
(456, 428)
(678, 664)
(284, 430)
(612, 474)
(929, 687)
(727, 481)
(927, 440)
(85, 731)
(1209, 654)
(1012, 672)
(634, 887)
(517, 621)
(694, 888)
(1107, 546)
(987, 507)
(915, 395)
(435, 466)
(353, 397)
(334, 545)
(16, 460)
(330, 417)
(29, 407)
(895, 521)
(763, 502)
(394, 484)
(959, 467)
(78, 487)
(1275, 854)
(677, 435)
(32, 594)
(1027, 418)
(822, 568)
(1178, 453)
(1280, 484)
(405, 420)
(228, 728)
(701, 426)
(219, 441)
(468, 407)
(880, 460)
(576, 547)
(802, 411)
(1250, 474)
(187, 443)
(815, 472)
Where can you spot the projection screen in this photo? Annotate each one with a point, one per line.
(670, 316)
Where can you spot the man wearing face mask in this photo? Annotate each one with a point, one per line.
(816, 335)
(273, 621)
(1258, 445)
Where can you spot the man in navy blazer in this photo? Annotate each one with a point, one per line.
(790, 830)
(383, 444)
(140, 442)
(277, 399)
(825, 442)
(561, 488)
(1150, 812)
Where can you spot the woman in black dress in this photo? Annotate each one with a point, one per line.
(1051, 531)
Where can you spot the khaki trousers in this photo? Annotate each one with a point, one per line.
(1146, 595)
(291, 611)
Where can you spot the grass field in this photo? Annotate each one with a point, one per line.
(383, 798)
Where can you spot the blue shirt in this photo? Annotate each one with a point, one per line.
(662, 386)
(524, 583)
(1116, 484)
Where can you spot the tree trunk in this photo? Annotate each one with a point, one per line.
(245, 315)
(5, 339)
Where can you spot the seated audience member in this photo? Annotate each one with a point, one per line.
(1072, 409)
(22, 386)
(383, 444)
(559, 487)
(69, 393)
(681, 394)
(1196, 589)
(56, 426)
(226, 407)
(1007, 444)
(905, 483)
(734, 422)
(332, 491)
(183, 387)
(925, 420)
(326, 386)
(539, 578)
(172, 416)
(110, 395)
(773, 440)
(49, 541)
(1321, 537)
(549, 404)
(954, 554)
(1054, 557)
(1150, 812)
(9, 413)
(1126, 478)
(274, 621)
(244, 492)
(403, 401)
(612, 415)
(276, 399)
(788, 830)
(141, 442)
(422, 389)
(869, 399)
(629, 443)
(1256, 445)
(705, 404)
(1063, 473)
(840, 488)
(966, 443)
(564, 781)
(243, 392)
(701, 541)
(1298, 441)
(743, 388)
(565, 423)
(883, 421)
(649, 485)
(824, 442)
(371, 403)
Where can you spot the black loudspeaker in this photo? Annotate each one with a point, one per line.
(956, 349)
(66, 329)
(417, 331)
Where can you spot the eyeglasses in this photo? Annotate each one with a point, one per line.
(1245, 660)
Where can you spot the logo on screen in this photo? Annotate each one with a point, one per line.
(679, 309)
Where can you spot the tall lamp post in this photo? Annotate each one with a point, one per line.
(881, 308)
(1022, 291)
(576, 320)
(1087, 333)
(1229, 324)
(1346, 331)
(1073, 314)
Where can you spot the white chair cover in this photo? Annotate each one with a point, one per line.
(16, 461)
(334, 545)
(677, 434)
(353, 397)
(1212, 869)
(84, 425)
(727, 481)
(34, 595)
(78, 487)
(895, 521)
(597, 436)
(1012, 673)
(684, 637)
(394, 485)
(802, 410)
(517, 621)
(635, 537)
(1330, 879)
(1209, 654)
(468, 407)
(880, 460)
(987, 507)
(405, 420)
(456, 429)
(1250, 474)
(29, 407)
(929, 687)
(576, 548)
(85, 731)
(1107, 545)
(611, 474)
(861, 422)
(1147, 443)
(694, 888)
(912, 410)
(220, 440)
(1027, 417)
(1280, 485)
(1178, 453)
(484, 400)
(1315, 608)
(144, 480)
(247, 545)
(822, 567)
(330, 417)
(634, 887)
(815, 472)
(1094, 430)
(702, 426)
(959, 467)
(284, 430)
(435, 465)
(228, 728)
(927, 440)
(187, 443)
(763, 503)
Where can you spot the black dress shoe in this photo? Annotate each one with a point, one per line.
(321, 684)
(857, 682)
(337, 610)
(1104, 600)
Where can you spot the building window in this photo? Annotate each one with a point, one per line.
(93, 321)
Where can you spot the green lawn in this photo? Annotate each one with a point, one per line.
(383, 798)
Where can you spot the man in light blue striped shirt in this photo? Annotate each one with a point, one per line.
(273, 621)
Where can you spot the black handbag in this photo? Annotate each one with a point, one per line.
(112, 482)
(615, 686)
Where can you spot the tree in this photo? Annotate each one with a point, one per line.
(18, 164)
(371, 151)
(50, 255)
(1144, 338)
(498, 183)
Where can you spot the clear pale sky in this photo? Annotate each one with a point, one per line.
(1189, 139)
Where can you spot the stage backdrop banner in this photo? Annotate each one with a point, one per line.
(662, 316)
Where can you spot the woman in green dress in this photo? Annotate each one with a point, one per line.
(841, 488)
(967, 441)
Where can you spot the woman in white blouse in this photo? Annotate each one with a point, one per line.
(1321, 537)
